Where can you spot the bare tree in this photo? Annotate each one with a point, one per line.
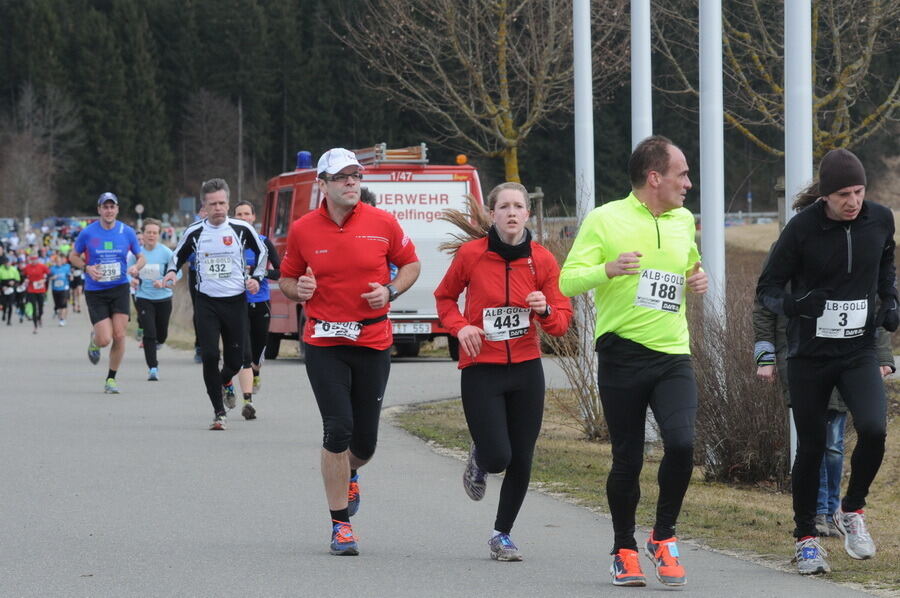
(46, 130)
(851, 100)
(483, 73)
(210, 136)
(24, 187)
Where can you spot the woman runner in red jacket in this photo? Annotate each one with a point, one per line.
(511, 285)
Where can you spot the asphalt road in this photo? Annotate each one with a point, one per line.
(131, 495)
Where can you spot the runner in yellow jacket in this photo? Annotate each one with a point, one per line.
(639, 256)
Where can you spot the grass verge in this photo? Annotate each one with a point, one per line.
(752, 521)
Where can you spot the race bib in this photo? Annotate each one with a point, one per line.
(217, 266)
(348, 330)
(8, 290)
(150, 272)
(38, 285)
(21, 288)
(110, 272)
(76, 272)
(59, 283)
(843, 319)
(505, 323)
(660, 290)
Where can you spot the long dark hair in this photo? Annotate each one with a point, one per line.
(807, 197)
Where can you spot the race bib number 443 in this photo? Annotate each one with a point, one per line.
(505, 323)
(660, 290)
(843, 319)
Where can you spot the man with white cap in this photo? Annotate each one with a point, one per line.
(336, 264)
(838, 255)
(101, 249)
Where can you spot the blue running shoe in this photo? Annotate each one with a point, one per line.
(503, 549)
(353, 496)
(343, 542)
(153, 375)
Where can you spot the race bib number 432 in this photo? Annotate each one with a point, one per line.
(218, 266)
(660, 290)
(843, 319)
(505, 323)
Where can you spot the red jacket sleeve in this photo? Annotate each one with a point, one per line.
(560, 316)
(447, 294)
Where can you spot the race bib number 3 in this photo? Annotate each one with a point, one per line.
(505, 323)
(348, 330)
(110, 271)
(218, 267)
(843, 319)
(660, 290)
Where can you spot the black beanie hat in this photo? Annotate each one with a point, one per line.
(840, 168)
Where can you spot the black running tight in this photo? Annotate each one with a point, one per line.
(631, 378)
(858, 378)
(153, 316)
(224, 317)
(504, 406)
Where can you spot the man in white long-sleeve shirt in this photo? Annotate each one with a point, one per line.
(218, 243)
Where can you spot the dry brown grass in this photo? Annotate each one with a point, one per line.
(754, 521)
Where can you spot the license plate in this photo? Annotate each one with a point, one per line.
(412, 328)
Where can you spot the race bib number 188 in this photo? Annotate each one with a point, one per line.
(660, 290)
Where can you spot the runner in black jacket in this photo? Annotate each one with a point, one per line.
(838, 256)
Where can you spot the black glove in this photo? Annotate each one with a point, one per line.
(887, 316)
(810, 305)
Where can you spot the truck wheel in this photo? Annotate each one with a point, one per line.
(453, 346)
(407, 349)
(273, 343)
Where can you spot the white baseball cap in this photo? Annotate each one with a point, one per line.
(335, 160)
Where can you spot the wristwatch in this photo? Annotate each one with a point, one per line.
(546, 312)
(393, 292)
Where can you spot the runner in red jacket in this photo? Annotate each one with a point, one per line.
(36, 273)
(511, 287)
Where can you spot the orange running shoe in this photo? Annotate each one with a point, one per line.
(664, 555)
(353, 495)
(626, 569)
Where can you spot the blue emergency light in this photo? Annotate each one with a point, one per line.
(304, 159)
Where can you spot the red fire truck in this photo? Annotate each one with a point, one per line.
(416, 192)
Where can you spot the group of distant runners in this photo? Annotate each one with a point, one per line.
(830, 278)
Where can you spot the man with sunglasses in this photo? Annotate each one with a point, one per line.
(336, 264)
